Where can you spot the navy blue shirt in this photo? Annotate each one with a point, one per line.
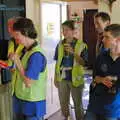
(101, 100)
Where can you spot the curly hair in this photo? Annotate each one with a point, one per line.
(26, 27)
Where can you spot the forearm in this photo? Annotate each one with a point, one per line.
(98, 79)
(107, 81)
(27, 80)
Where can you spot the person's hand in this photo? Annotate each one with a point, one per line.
(13, 56)
(27, 83)
(107, 81)
(68, 48)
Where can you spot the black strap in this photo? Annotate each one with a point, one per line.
(32, 46)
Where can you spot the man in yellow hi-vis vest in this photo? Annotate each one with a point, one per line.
(69, 71)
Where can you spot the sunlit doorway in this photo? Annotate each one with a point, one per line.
(53, 14)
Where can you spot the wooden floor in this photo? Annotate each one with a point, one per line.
(56, 116)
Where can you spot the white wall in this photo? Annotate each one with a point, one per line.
(115, 17)
(33, 11)
(78, 7)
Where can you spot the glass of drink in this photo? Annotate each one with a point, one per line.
(66, 49)
(112, 90)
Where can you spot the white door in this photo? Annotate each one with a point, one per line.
(51, 21)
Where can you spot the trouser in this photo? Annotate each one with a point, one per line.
(93, 116)
(64, 90)
(24, 117)
(5, 102)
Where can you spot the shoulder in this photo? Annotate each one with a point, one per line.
(37, 58)
(60, 44)
(38, 55)
(80, 42)
(81, 45)
(102, 56)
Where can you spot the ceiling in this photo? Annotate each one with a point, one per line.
(76, 0)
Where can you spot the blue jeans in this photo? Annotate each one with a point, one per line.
(23, 117)
(93, 116)
(34, 118)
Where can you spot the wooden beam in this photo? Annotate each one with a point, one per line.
(76, 0)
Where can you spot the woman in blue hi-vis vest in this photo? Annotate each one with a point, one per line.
(29, 99)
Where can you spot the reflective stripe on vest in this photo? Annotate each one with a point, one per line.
(11, 49)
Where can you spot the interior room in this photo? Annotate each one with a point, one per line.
(48, 16)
